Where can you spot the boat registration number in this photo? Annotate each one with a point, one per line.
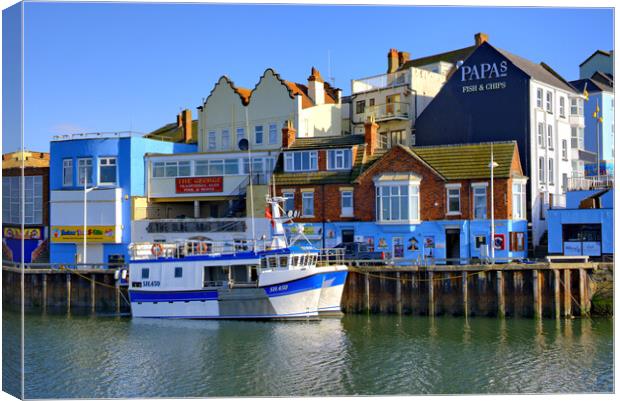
(278, 288)
(150, 284)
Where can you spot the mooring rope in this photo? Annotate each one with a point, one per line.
(357, 270)
(71, 271)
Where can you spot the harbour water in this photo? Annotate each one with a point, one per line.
(105, 356)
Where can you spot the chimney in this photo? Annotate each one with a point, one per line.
(186, 123)
(403, 57)
(481, 38)
(371, 136)
(392, 60)
(179, 122)
(288, 135)
(316, 87)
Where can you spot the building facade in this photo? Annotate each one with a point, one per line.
(35, 210)
(497, 96)
(419, 204)
(600, 60)
(216, 191)
(102, 173)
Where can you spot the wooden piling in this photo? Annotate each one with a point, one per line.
(501, 302)
(431, 294)
(537, 293)
(44, 292)
(367, 292)
(68, 292)
(117, 295)
(399, 300)
(556, 293)
(584, 309)
(567, 294)
(465, 295)
(92, 294)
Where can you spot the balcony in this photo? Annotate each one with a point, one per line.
(384, 112)
(380, 82)
(590, 183)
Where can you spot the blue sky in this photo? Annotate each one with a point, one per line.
(113, 67)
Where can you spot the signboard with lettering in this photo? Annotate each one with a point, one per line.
(591, 248)
(189, 185)
(76, 233)
(16, 233)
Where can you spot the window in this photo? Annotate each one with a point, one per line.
(184, 169)
(159, 169)
(550, 137)
(300, 161)
(32, 200)
(384, 140)
(172, 169)
(359, 106)
(397, 203)
(480, 202)
(541, 135)
(85, 166)
(258, 134)
(67, 172)
(289, 202)
(539, 98)
(517, 241)
(145, 273)
(339, 159)
(454, 200)
(307, 199)
(178, 272)
(107, 170)
(211, 140)
(518, 200)
(576, 107)
(564, 149)
(346, 203)
(231, 167)
(225, 139)
(551, 171)
(240, 134)
(562, 107)
(549, 103)
(273, 134)
(541, 170)
(371, 102)
(564, 182)
(576, 138)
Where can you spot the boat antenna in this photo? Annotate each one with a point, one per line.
(247, 130)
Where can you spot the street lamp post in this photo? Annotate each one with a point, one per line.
(492, 166)
(86, 191)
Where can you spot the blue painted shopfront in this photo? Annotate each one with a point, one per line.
(130, 177)
(425, 242)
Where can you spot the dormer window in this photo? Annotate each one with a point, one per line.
(339, 159)
(300, 161)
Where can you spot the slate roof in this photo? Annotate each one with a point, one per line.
(171, 132)
(468, 161)
(593, 85)
(327, 142)
(603, 52)
(450, 57)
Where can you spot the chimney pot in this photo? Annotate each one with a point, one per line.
(186, 123)
(371, 136)
(480, 38)
(392, 60)
(403, 57)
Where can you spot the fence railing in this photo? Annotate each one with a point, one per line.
(385, 111)
(65, 266)
(380, 82)
(590, 183)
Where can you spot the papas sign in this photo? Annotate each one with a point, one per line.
(192, 185)
(472, 73)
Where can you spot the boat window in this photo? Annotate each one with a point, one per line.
(273, 262)
(178, 272)
(283, 261)
(303, 260)
(145, 273)
(263, 263)
(254, 274)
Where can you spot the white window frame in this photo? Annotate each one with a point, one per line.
(240, 135)
(226, 139)
(290, 162)
(290, 197)
(551, 171)
(67, 172)
(518, 199)
(549, 102)
(453, 187)
(212, 140)
(478, 186)
(541, 135)
(413, 201)
(564, 149)
(539, 98)
(346, 211)
(541, 170)
(105, 162)
(550, 137)
(340, 160)
(89, 177)
(562, 107)
(273, 133)
(257, 129)
(305, 196)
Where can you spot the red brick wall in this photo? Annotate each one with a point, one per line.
(327, 206)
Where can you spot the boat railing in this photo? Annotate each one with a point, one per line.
(166, 250)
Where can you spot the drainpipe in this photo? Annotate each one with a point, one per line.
(323, 214)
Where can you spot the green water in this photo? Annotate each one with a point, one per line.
(92, 357)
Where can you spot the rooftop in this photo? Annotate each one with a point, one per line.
(29, 158)
(326, 142)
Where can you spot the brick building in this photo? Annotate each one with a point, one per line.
(35, 206)
(414, 202)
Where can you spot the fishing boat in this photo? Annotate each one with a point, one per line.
(200, 279)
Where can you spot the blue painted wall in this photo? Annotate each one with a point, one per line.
(558, 217)
(129, 153)
(573, 198)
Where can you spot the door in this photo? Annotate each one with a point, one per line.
(348, 236)
(453, 246)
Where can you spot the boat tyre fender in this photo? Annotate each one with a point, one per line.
(203, 248)
(157, 250)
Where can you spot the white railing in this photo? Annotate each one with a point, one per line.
(382, 112)
(380, 82)
(590, 183)
(93, 135)
(155, 250)
(558, 201)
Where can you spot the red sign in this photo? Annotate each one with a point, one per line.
(199, 184)
(500, 242)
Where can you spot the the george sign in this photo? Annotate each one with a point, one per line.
(76, 234)
(190, 185)
(499, 242)
(15, 233)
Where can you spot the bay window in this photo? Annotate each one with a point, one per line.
(398, 202)
(518, 200)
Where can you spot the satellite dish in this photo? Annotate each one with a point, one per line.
(289, 213)
(243, 144)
